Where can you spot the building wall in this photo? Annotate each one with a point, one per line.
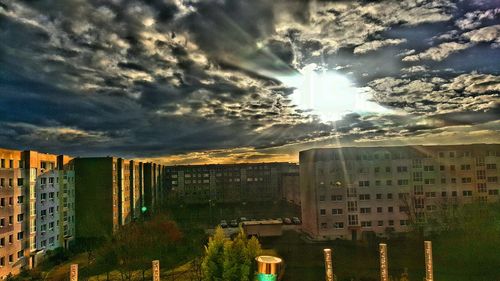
(349, 192)
(12, 251)
(291, 188)
(96, 194)
(226, 183)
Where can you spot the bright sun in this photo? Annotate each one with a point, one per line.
(328, 94)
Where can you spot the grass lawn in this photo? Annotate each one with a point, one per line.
(304, 260)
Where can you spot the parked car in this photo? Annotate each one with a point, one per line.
(296, 220)
(243, 219)
(233, 223)
(223, 224)
(287, 221)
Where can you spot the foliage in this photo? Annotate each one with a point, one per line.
(138, 243)
(227, 260)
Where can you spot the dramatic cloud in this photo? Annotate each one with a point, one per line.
(218, 80)
(438, 53)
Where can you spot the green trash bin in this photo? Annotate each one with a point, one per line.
(268, 268)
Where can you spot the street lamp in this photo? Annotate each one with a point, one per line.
(210, 210)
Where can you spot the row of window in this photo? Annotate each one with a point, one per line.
(20, 255)
(10, 182)
(353, 221)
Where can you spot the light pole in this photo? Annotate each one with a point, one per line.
(210, 210)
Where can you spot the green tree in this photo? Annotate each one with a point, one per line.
(212, 265)
(228, 260)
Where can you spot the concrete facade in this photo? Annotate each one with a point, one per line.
(124, 187)
(226, 183)
(349, 192)
(33, 189)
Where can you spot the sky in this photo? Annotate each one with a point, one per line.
(245, 81)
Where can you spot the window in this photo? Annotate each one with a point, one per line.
(11, 258)
(390, 209)
(429, 181)
(429, 168)
(492, 179)
(493, 192)
(324, 225)
(466, 180)
(2, 202)
(418, 190)
(365, 210)
(467, 193)
(338, 225)
(431, 207)
(430, 194)
(2, 259)
(20, 182)
(453, 180)
(391, 222)
(403, 182)
(379, 209)
(403, 222)
(441, 167)
(465, 167)
(376, 169)
(481, 174)
(322, 212)
(364, 183)
(353, 219)
(20, 235)
(364, 197)
(337, 211)
(389, 195)
(454, 193)
(417, 176)
(336, 197)
(452, 167)
(380, 223)
(352, 206)
(2, 165)
(378, 183)
(403, 209)
(20, 254)
(322, 198)
(443, 180)
(379, 195)
(388, 182)
(491, 166)
(387, 169)
(402, 195)
(20, 217)
(443, 194)
(20, 199)
(366, 224)
(402, 169)
(2, 242)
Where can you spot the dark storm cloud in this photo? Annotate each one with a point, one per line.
(149, 78)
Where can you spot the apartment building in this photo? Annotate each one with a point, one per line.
(354, 191)
(110, 193)
(31, 213)
(226, 182)
(291, 188)
(12, 256)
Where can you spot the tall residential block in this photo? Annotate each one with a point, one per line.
(110, 193)
(34, 187)
(354, 191)
(227, 182)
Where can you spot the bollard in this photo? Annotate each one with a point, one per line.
(268, 268)
(429, 275)
(73, 272)
(156, 270)
(384, 271)
(328, 264)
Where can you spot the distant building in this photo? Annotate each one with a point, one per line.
(352, 191)
(36, 207)
(227, 182)
(110, 193)
(291, 188)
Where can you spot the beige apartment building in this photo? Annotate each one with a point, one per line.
(350, 192)
(36, 210)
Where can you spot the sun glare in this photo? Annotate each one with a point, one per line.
(328, 94)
